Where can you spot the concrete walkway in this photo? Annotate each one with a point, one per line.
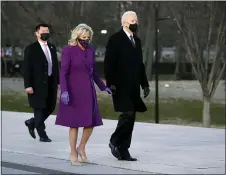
(165, 149)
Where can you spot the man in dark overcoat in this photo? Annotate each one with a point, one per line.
(125, 73)
(41, 79)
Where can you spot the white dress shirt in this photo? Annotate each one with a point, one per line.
(43, 48)
(128, 34)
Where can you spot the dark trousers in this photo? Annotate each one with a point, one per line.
(123, 133)
(41, 114)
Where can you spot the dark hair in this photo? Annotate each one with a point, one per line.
(41, 25)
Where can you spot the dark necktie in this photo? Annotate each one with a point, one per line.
(132, 40)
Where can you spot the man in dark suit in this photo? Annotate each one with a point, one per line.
(41, 79)
(124, 73)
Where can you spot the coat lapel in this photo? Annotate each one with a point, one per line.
(39, 48)
(126, 38)
(51, 49)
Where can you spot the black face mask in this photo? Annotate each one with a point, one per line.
(44, 36)
(84, 43)
(133, 27)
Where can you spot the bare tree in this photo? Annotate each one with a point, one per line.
(204, 33)
(146, 32)
(149, 39)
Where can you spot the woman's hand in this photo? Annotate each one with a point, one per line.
(64, 97)
(108, 90)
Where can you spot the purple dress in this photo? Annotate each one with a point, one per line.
(77, 76)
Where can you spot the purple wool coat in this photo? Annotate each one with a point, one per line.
(77, 76)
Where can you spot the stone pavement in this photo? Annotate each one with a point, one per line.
(20, 163)
(165, 149)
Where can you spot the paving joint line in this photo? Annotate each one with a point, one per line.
(50, 157)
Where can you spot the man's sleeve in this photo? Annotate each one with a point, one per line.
(27, 67)
(57, 66)
(143, 77)
(58, 73)
(110, 62)
(144, 81)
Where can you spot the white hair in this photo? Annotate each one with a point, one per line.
(79, 30)
(125, 14)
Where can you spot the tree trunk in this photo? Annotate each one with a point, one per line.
(13, 54)
(177, 64)
(148, 51)
(150, 63)
(5, 67)
(206, 112)
(147, 42)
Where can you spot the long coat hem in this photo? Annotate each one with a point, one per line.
(78, 126)
(77, 77)
(35, 74)
(124, 68)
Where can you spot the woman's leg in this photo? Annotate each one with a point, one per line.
(85, 137)
(73, 135)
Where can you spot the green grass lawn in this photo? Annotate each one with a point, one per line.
(173, 111)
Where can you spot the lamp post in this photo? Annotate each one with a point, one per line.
(156, 65)
(157, 19)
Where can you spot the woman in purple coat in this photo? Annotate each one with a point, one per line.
(78, 105)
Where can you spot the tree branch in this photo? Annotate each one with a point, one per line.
(218, 49)
(217, 80)
(187, 45)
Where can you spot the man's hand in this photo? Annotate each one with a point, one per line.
(146, 91)
(29, 90)
(113, 89)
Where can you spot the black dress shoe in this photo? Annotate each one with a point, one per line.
(31, 128)
(126, 155)
(115, 151)
(45, 139)
(129, 158)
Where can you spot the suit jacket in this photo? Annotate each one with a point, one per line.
(124, 68)
(35, 71)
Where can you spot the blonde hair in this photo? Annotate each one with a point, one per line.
(79, 30)
(125, 14)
